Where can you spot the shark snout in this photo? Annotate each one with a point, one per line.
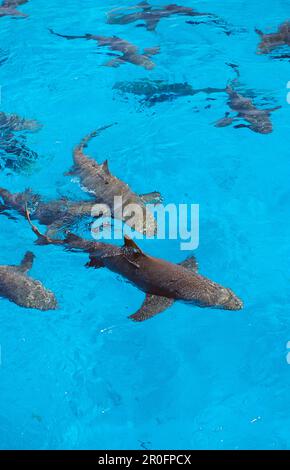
(230, 301)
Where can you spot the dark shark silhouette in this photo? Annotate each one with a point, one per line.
(9, 8)
(130, 53)
(59, 215)
(150, 15)
(272, 41)
(158, 91)
(18, 287)
(162, 282)
(104, 187)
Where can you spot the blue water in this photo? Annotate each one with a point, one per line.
(84, 376)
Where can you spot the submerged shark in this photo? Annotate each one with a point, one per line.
(150, 15)
(157, 91)
(105, 187)
(9, 8)
(15, 155)
(130, 53)
(272, 41)
(258, 119)
(162, 282)
(59, 215)
(18, 287)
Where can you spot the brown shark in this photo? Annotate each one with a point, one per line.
(272, 41)
(105, 187)
(162, 282)
(9, 8)
(18, 287)
(130, 53)
(150, 15)
(258, 119)
(59, 215)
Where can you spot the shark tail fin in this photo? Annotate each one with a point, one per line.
(41, 239)
(84, 142)
(27, 262)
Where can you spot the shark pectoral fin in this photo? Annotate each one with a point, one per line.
(114, 62)
(150, 51)
(151, 24)
(271, 110)
(225, 121)
(71, 172)
(190, 263)
(27, 262)
(152, 198)
(94, 263)
(152, 305)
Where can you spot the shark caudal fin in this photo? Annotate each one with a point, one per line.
(41, 239)
(152, 305)
(84, 142)
(27, 262)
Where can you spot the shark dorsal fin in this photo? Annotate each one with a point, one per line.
(129, 243)
(27, 262)
(105, 167)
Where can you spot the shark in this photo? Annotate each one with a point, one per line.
(158, 91)
(58, 215)
(258, 120)
(150, 15)
(104, 187)
(271, 41)
(129, 52)
(17, 286)
(162, 282)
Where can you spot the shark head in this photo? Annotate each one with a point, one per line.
(228, 300)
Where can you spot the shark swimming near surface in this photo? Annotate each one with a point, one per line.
(18, 287)
(98, 180)
(129, 52)
(158, 91)
(151, 15)
(58, 215)
(162, 282)
(272, 41)
(258, 120)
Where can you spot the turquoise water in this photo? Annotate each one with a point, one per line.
(84, 376)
